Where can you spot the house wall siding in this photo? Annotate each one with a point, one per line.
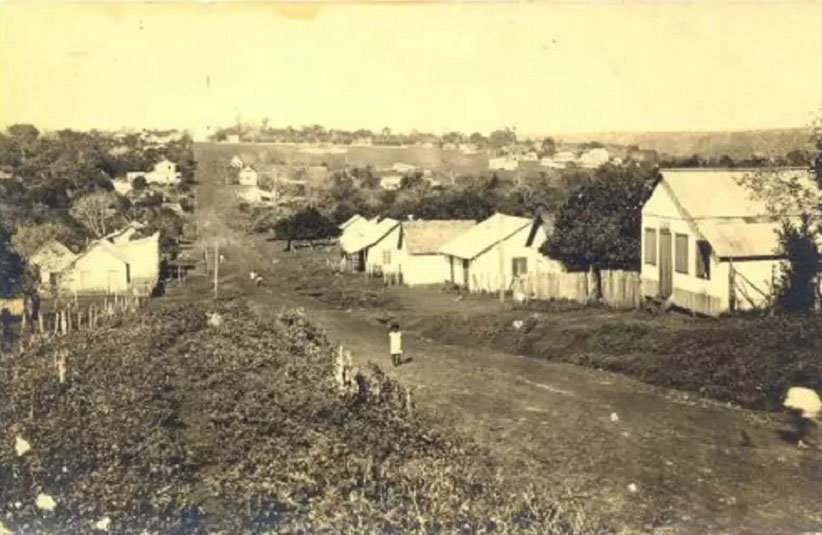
(705, 296)
(374, 262)
(97, 272)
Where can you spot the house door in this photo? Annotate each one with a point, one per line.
(666, 265)
(465, 264)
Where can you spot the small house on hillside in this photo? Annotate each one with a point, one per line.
(51, 258)
(503, 163)
(357, 249)
(708, 244)
(122, 186)
(594, 158)
(237, 162)
(497, 251)
(411, 251)
(102, 268)
(114, 264)
(390, 182)
(564, 157)
(248, 176)
(163, 173)
(402, 168)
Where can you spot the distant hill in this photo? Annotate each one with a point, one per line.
(736, 144)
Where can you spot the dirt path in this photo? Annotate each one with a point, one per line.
(686, 458)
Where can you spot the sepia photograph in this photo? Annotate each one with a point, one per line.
(423, 268)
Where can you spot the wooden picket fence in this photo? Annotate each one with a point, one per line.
(80, 314)
(620, 289)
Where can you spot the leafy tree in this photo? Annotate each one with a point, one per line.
(139, 183)
(502, 138)
(797, 157)
(96, 212)
(598, 226)
(798, 287)
(307, 224)
(549, 146)
(28, 238)
(11, 266)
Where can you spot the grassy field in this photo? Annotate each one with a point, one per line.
(736, 144)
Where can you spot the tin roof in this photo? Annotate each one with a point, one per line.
(713, 193)
(485, 235)
(370, 235)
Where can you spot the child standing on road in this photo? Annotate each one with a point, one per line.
(395, 344)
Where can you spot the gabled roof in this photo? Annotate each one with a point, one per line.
(104, 245)
(485, 235)
(371, 235)
(426, 237)
(713, 193)
(144, 248)
(344, 225)
(738, 239)
(734, 221)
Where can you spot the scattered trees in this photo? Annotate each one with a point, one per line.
(306, 224)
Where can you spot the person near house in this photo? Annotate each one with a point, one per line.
(395, 343)
(222, 258)
(806, 407)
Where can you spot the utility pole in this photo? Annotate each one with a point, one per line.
(216, 267)
(501, 261)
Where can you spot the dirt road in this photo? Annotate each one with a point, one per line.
(644, 457)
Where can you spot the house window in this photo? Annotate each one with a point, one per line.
(519, 266)
(703, 260)
(386, 257)
(650, 246)
(682, 253)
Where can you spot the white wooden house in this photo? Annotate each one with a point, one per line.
(708, 243)
(115, 264)
(163, 173)
(248, 176)
(410, 252)
(358, 250)
(101, 268)
(497, 251)
(354, 231)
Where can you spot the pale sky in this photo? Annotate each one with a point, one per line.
(539, 67)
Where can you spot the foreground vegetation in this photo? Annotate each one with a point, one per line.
(172, 425)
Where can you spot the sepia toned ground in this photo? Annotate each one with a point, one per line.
(685, 458)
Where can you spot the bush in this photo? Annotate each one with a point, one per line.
(171, 426)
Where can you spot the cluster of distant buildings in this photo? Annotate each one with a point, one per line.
(590, 159)
(118, 263)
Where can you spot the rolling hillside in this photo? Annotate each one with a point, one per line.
(736, 144)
